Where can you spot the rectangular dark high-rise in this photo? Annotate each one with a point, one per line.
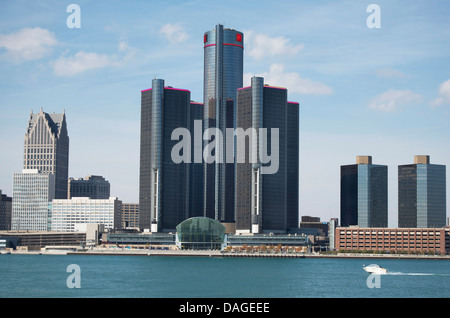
(292, 163)
(266, 194)
(195, 168)
(5, 212)
(421, 194)
(94, 187)
(349, 195)
(168, 190)
(46, 148)
(364, 194)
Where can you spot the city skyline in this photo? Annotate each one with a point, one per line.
(380, 92)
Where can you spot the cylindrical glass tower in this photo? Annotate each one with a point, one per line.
(223, 75)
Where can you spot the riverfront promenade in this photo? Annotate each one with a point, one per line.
(213, 253)
(216, 253)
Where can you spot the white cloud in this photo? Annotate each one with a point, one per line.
(261, 45)
(390, 73)
(292, 81)
(174, 33)
(28, 43)
(84, 61)
(80, 62)
(444, 95)
(391, 100)
(129, 51)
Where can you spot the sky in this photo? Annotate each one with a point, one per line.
(369, 82)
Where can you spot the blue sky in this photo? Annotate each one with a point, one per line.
(383, 92)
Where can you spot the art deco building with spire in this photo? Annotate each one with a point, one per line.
(46, 148)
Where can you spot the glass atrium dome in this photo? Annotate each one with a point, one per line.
(200, 233)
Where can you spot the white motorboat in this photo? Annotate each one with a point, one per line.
(375, 269)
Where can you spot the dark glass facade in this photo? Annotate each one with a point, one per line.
(195, 168)
(243, 183)
(267, 202)
(94, 187)
(5, 212)
(407, 196)
(274, 186)
(364, 195)
(421, 195)
(349, 195)
(169, 192)
(292, 162)
(145, 168)
(223, 75)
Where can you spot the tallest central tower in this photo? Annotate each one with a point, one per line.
(223, 75)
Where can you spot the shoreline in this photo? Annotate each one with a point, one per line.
(220, 254)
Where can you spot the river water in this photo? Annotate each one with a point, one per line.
(63, 276)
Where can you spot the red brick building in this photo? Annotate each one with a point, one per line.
(415, 240)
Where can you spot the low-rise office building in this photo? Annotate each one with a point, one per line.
(149, 240)
(311, 222)
(35, 240)
(65, 214)
(200, 233)
(130, 215)
(393, 240)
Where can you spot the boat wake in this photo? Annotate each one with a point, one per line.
(410, 274)
(415, 274)
(378, 270)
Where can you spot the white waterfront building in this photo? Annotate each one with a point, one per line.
(66, 213)
(32, 192)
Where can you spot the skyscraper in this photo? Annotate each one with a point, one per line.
(195, 168)
(292, 163)
(33, 190)
(46, 148)
(165, 191)
(223, 75)
(364, 194)
(266, 194)
(421, 194)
